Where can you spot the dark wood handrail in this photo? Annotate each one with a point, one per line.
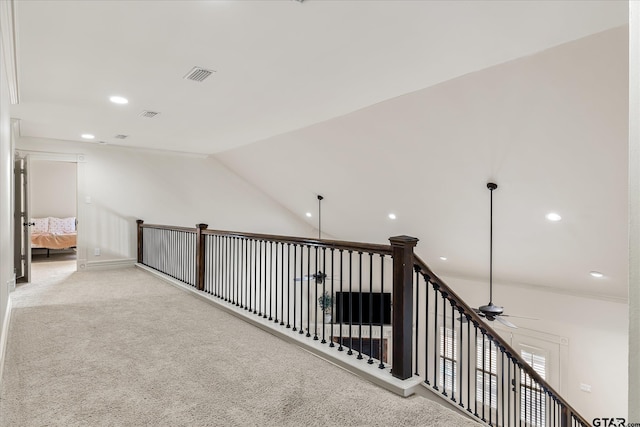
(331, 244)
(470, 313)
(169, 227)
(420, 266)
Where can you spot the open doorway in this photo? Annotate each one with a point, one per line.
(53, 216)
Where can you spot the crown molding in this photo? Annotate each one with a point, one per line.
(9, 52)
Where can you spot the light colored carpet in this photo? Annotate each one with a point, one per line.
(123, 348)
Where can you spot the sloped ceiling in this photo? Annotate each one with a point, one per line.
(381, 106)
(549, 129)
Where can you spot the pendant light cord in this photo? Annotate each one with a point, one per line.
(320, 216)
(491, 250)
(491, 186)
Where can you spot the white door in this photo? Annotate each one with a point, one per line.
(22, 221)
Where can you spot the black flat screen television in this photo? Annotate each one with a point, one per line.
(374, 307)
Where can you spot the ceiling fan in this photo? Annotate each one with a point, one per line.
(491, 311)
(319, 276)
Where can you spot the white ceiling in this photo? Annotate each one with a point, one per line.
(404, 106)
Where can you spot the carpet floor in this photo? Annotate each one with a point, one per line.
(124, 348)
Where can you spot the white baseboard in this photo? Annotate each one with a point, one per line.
(4, 334)
(108, 264)
(381, 377)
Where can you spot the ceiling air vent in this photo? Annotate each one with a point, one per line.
(121, 136)
(198, 74)
(149, 114)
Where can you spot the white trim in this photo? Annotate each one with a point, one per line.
(381, 377)
(5, 333)
(54, 157)
(108, 264)
(9, 51)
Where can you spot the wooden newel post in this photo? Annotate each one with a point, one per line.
(139, 222)
(200, 255)
(402, 321)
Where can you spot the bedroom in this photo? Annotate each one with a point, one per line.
(53, 211)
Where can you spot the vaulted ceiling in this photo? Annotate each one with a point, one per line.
(405, 107)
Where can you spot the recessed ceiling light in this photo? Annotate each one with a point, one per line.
(118, 99)
(443, 258)
(596, 274)
(392, 216)
(87, 136)
(308, 214)
(552, 216)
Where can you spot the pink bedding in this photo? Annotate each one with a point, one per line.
(53, 241)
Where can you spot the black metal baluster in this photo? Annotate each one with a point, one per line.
(426, 329)
(370, 361)
(484, 373)
(417, 310)
(223, 269)
(295, 286)
(234, 270)
(270, 281)
(229, 290)
(526, 399)
(289, 285)
(350, 351)
(245, 271)
(333, 295)
(275, 285)
(444, 296)
(309, 291)
(490, 379)
(223, 246)
(461, 368)
(475, 376)
(341, 309)
(315, 298)
(324, 291)
(259, 282)
(501, 385)
(453, 350)
(229, 268)
(509, 382)
(216, 262)
(264, 281)
(302, 289)
(238, 284)
(282, 281)
(360, 305)
(220, 284)
(252, 268)
(517, 406)
(436, 345)
(382, 319)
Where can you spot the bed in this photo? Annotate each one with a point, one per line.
(53, 233)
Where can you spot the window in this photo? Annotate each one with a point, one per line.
(486, 372)
(532, 397)
(448, 360)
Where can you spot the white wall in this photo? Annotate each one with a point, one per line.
(597, 333)
(6, 184)
(53, 189)
(117, 185)
(634, 211)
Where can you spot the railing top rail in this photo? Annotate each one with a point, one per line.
(169, 227)
(476, 319)
(331, 244)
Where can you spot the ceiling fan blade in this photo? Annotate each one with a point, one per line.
(505, 322)
(519, 317)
